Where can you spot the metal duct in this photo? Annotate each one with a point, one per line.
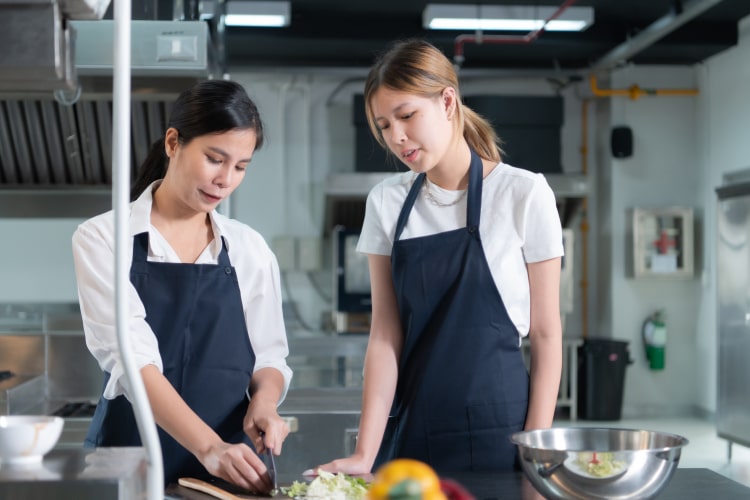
(654, 32)
(64, 139)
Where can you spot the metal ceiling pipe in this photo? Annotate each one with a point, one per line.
(654, 32)
(479, 38)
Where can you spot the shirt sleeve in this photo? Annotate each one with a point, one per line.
(260, 284)
(374, 239)
(542, 236)
(93, 257)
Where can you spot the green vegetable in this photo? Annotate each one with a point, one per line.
(329, 486)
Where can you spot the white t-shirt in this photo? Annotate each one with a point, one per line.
(257, 274)
(519, 224)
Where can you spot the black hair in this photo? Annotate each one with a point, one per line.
(209, 107)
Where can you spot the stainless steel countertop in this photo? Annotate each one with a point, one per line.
(79, 473)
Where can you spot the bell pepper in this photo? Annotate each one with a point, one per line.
(405, 479)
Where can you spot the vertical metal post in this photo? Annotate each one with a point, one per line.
(120, 201)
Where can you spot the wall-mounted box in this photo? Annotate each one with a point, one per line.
(661, 242)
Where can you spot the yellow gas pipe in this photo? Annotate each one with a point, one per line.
(634, 91)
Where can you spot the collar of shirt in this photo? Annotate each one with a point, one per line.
(140, 222)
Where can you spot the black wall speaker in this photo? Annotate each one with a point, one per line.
(622, 142)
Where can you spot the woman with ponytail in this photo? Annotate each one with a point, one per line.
(464, 254)
(205, 321)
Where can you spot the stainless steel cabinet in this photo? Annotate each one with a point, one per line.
(733, 313)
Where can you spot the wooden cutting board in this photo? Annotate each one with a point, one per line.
(195, 489)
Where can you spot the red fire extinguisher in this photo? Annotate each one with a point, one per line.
(655, 339)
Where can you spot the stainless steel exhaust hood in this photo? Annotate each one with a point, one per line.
(56, 101)
(48, 43)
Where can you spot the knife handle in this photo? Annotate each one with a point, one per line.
(208, 488)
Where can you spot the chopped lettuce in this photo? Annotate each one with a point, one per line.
(329, 486)
(605, 464)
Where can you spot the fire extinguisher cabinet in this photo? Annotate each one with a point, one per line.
(601, 378)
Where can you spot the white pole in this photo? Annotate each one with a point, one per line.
(120, 202)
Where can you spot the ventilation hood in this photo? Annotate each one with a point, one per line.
(56, 101)
(52, 46)
(159, 48)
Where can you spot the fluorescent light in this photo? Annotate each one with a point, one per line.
(505, 18)
(259, 14)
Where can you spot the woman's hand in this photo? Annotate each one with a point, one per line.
(263, 425)
(354, 465)
(239, 465)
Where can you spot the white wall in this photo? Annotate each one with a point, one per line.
(36, 260)
(663, 171)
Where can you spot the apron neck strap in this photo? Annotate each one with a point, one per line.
(474, 202)
(406, 209)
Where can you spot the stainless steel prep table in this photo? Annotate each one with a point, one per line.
(81, 474)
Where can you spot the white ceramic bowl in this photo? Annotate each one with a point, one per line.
(25, 439)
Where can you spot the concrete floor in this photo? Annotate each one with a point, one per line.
(705, 449)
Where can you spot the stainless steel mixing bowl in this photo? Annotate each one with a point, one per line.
(561, 464)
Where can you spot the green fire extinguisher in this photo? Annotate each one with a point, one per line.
(655, 339)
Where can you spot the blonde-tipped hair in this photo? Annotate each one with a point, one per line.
(418, 67)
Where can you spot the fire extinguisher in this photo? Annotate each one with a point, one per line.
(655, 339)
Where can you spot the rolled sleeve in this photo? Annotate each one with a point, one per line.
(260, 288)
(94, 266)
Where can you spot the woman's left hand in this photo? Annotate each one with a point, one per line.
(264, 426)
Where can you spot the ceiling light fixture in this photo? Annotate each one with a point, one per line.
(257, 14)
(505, 17)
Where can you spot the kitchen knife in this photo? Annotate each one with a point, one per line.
(272, 472)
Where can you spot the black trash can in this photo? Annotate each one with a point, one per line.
(601, 378)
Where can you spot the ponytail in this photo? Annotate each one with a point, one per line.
(152, 169)
(480, 135)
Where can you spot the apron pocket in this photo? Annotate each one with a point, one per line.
(490, 428)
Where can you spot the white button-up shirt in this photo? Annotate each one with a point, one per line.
(257, 274)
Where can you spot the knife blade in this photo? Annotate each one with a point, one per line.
(270, 463)
(272, 472)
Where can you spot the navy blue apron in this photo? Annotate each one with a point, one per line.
(196, 312)
(462, 386)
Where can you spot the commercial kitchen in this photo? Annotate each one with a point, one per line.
(639, 127)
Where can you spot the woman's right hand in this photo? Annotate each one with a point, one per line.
(354, 465)
(238, 464)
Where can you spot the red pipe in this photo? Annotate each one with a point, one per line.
(458, 49)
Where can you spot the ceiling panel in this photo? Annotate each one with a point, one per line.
(350, 33)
